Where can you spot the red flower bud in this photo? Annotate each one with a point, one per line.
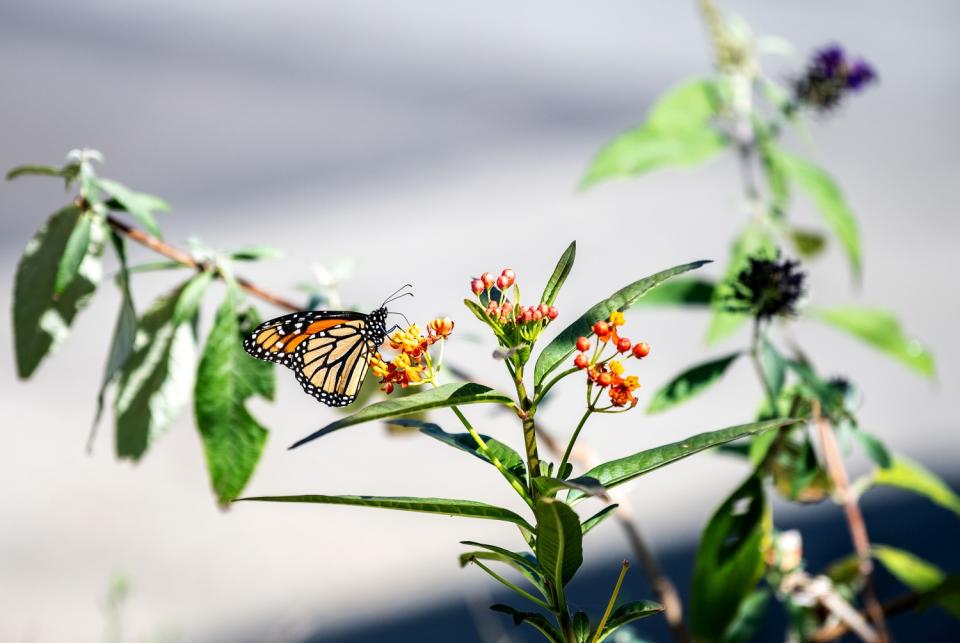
(509, 275)
(601, 328)
(641, 350)
(604, 379)
(583, 344)
(552, 312)
(477, 286)
(503, 283)
(581, 361)
(488, 280)
(623, 344)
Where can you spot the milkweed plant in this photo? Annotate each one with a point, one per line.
(794, 440)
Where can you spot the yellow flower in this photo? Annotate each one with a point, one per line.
(616, 367)
(616, 318)
(632, 383)
(378, 366)
(403, 363)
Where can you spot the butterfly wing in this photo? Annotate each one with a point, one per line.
(328, 351)
(331, 365)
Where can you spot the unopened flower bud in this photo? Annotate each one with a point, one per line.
(583, 344)
(477, 286)
(581, 361)
(641, 350)
(623, 344)
(488, 280)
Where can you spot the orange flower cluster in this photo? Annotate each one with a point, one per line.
(412, 365)
(607, 372)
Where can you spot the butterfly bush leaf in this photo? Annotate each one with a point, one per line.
(559, 540)
(124, 331)
(616, 472)
(911, 476)
(256, 253)
(873, 447)
(140, 205)
(41, 316)
(443, 506)
(830, 202)
(691, 382)
(678, 132)
(157, 379)
(226, 379)
(729, 560)
(917, 574)
(881, 330)
(558, 350)
(598, 518)
(560, 273)
(73, 255)
(454, 394)
(750, 616)
(36, 170)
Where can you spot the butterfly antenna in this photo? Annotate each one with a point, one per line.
(401, 315)
(394, 295)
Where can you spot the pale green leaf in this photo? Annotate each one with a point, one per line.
(680, 291)
(140, 205)
(691, 382)
(559, 540)
(555, 283)
(628, 613)
(911, 476)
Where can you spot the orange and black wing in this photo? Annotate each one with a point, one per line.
(279, 339)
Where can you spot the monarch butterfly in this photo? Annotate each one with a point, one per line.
(329, 351)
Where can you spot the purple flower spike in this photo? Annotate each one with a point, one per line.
(830, 59)
(860, 74)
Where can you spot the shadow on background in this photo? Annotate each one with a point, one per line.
(894, 518)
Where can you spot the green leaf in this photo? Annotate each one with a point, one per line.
(829, 200)
(912, 571)
(946, 594)
(729, 560)
(226, 378)
(628, 613)
(445, 506)
(597, 518)
(125, 330)
(559, 540)
(562, 346)
(881, 330)
(581, 627)
(153, 266)
(749, 618)
(41, 317)
(681, 291)
(616, 472)
(548, 486)
(774, 367)
(455, 394)
(691, 382)
(524, 563)
(140, 205)
(677, 133)
(808, 243)
(156, 380)
(873, 447)
(74, 254)
(256, 253)
(911, 476)
(555, 283)
(538, 621)
(465, 442)
(36, 170)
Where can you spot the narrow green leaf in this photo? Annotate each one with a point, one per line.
(73, 255)
(746, 625)
(774, 367)
(946, 594)
(729, 560)
(686, 106)
(464, 442)
(35, 170)
(873, 447)
(827, 196)
(455, 394)
(256, 253)
(559, 540)
(562, 346)
(538, 621)
(881, 330)
(628, 613)
(124, 332)
(911, 570)
(691, 382)
(525, 563)
(555, 283)
(156, 380)
(153, 266)
(445, 506)
(548, 486)
(597, 518)
(681, 291)
(911, 476)
(226, 378)
(42, 318)
(808, 243)
(616, 472)
(140, 205)
(581, 627)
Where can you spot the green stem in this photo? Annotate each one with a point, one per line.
(527, 410)
(758, 365)
(573, 439)
(481, 443)
(527, 595)
(539, 395)
(612, 601)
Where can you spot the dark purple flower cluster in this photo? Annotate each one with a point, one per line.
(830, 76)
(767, 288)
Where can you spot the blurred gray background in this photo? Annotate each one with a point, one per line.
(429, 141)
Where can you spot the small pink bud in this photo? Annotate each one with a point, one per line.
(552, 312)
(488, 280)
(477, 286)
(503, 283)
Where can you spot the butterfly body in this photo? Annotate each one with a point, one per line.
(329, 351)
